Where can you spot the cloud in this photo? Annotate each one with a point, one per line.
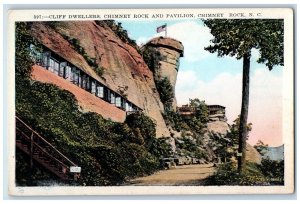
(265, 109)
(142, 40)
(193, 35)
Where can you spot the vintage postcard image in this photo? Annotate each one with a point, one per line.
(144, 101)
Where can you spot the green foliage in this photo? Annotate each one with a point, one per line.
(261, 147)
(23, 62)
(227, 174)
(273, 171)
(165, 90)
(91, 61)
(192, 130)
(160, 148)
(143, 126)
(236, 37)
(151, 57)
(175, 120)
(202, 113)
(267, 173)
(227, 146)
(108, 152)
(119, 31)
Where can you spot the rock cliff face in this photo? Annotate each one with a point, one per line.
(170, 51)
(123, 65)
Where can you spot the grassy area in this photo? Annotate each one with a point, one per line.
(254, 175)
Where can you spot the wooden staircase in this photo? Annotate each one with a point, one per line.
(42, 152)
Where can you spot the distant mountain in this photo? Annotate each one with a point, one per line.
(274, 153)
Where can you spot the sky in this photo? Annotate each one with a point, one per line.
(218, 80)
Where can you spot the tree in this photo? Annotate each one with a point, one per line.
(236, 38)
(261, 147)
(165, 90)
(202, 113)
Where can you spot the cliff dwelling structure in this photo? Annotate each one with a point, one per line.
(216, 112)
(66, 75)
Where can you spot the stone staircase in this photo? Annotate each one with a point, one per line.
(43, 153)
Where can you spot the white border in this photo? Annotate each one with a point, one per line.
(288, 128)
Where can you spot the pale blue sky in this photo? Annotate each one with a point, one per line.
(219, 80)
(207, 68)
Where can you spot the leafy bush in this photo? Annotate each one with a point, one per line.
(273, 171)
(165, 90)
(151, 57)
(23, 40)
(143, 126)
(119, 31)
(175, 120)
(228, 175)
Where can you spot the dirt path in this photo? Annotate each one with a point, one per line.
(181, 175)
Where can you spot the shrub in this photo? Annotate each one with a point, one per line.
(175, 120)
(119, 31)
(165, 90)
(273, 171)
(144, 125)
(227, 174)
(151, 57)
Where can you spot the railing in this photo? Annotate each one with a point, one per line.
(42, 151)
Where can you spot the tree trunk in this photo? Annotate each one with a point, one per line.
(243, 130)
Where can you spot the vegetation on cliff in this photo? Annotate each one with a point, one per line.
(108, 152)
(119, 31)
(92, 61)
(192, 130)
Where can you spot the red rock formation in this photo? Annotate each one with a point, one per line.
(123, 65)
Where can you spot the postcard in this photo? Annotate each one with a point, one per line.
(151, 101)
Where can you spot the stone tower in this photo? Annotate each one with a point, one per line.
(170, 51)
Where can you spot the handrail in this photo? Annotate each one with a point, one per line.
(42, 149)
(40, 137)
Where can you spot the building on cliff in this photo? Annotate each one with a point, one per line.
(170, 51)
(65, 70)
(216, 112)
(122, 65)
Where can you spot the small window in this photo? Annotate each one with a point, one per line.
(79, 77)
(68, 73)
(93, 88)
(100, 91)
(46, 58)
(56, 67)
(118, 102)
(88, 84)
(83, 81)
(112, 98)
(75, 77)
(107, 94)
(35, 53)
(127, 106)
(62, 68)
(51, 65)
